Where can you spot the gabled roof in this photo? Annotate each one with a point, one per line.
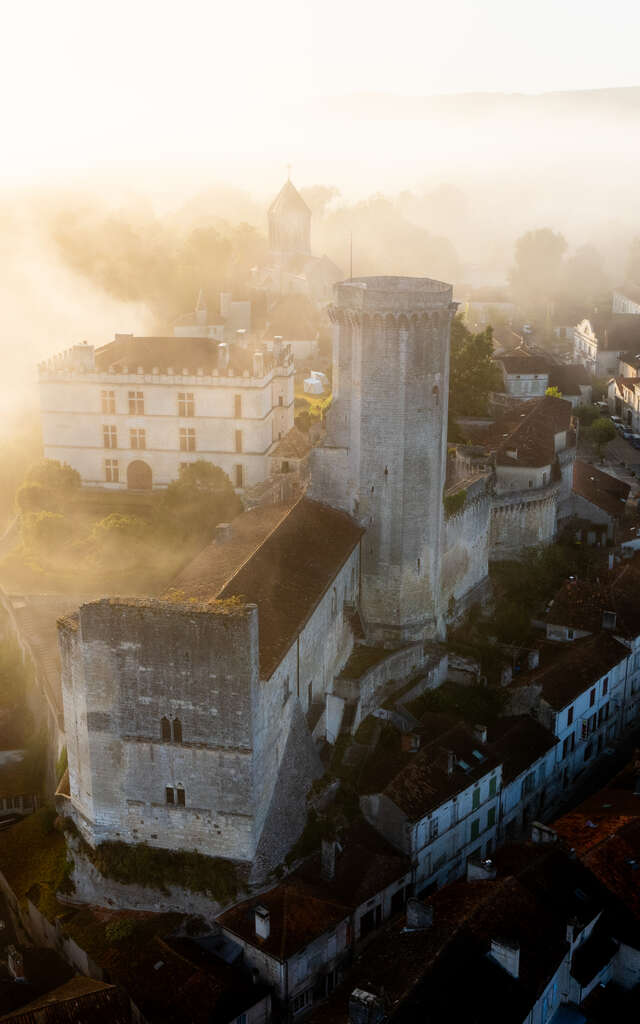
(76, 1002)
(567, 670)
(296, 918)
(601, 489)
(521, 360)
(529, 430)
(366, 865)
(424, 782)
(568, 378)
(519, 741)
(280, 558)
(579, 604)
(445, 972)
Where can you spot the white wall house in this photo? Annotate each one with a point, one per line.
(129, 414)
(455, 813)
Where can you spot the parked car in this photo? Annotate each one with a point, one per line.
(626, 433)
(616, 420)
(603, 407)
(635, 440)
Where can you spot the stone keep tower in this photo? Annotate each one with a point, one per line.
(384, 456)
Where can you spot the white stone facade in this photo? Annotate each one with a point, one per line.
(134, 429)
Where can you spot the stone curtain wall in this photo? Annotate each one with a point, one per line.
(465, 563)
(519, 521)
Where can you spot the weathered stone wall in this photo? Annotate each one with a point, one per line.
(523, 520)
(389, 416)
(126, 666)
(465, 562)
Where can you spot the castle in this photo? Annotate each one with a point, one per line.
(194, 721)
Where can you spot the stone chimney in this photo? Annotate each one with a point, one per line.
(479, 870)
(223, 356)
(609, 620)
(419, 915)
(258, 364)
(261, 922)
(507, 954)
(365, 1007)
(480, 733)
(224, 532)
(328, 856)
(451, 762)
(542, 833)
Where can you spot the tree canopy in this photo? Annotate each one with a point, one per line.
(198, 500)
(473, 373)
(538, 268)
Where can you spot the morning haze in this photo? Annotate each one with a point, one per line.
(319, 513)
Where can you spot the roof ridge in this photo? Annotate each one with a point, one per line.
(287, 510)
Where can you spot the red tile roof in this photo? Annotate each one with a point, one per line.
(296, 918)
(567, 670)
(173, 353)
(424, 783)
(580, 604)
(529, 429)
(601, 489)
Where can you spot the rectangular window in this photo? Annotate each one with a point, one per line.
(476, 799)
(280, 399)
(187, 439)
(238, 440)
(239, 475)
(565, 747)
(433, 829)
(169, 795)
(605, 686)
(237, 406)
(108, 402)
(180, 792)
(492, 787)
(186, 404)
(136, 403)
(491, 817)
(138, 438)
(111, 471)
(109, 437)
(570, 716)
(592, 697)
(475, 829)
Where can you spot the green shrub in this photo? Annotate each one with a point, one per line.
(158, 868)
(120, 929)
(454, 503)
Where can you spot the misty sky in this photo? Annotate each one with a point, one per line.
(90, 85)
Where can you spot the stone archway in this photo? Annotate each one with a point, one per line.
(139, 477)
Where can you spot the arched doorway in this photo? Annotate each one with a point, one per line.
(139, 476)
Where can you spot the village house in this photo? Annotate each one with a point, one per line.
(604, 832)
(623, 399)
(129, 414)
(597, 506)
(583, 608)
(532, 449)
(525, 374)
(527, 752)
(598, 342)
(626, 299)
(524, 937)
(578, 693)
(440, 804)
(299, 944)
